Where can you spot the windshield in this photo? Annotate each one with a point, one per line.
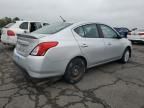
(51, 29)
(9, 25)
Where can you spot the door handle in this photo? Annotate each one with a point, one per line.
(84, 45)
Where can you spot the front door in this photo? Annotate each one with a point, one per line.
(113, 45)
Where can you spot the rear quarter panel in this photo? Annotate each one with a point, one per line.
(66, 50)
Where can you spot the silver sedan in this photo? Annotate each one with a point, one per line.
(67, 49)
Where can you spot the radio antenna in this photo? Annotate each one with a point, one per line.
(62, 19)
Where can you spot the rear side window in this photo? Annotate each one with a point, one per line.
(24, 25)
(91, 31)
(53, 28)
(80, 31)
(88, 31)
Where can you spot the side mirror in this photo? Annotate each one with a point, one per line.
(125, 35)
(119, 37)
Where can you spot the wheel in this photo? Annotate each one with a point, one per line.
(75, 71)
(126, 56)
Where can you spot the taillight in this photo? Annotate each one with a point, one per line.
(129, 33)
(10, 33)
(42, 48)
(141, 33)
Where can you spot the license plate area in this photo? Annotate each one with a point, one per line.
(21, 48)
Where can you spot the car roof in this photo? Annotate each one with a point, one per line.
(80, 23)
(30, 21)
(83, 22)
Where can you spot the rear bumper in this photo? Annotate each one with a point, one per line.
(8, 40)
(36, 68)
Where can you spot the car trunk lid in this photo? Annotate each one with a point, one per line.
(25, 44)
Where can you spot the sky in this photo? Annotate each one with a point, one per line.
(126, 13)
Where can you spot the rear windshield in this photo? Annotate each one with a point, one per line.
(9, 25)
(51, 29)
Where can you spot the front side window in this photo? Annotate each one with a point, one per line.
(108, 32)
(91, 31)
(24, 25)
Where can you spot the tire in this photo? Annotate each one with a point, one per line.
(75, 71)
(126, 56)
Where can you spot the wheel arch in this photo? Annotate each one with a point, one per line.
(129, 48)
(81, 57)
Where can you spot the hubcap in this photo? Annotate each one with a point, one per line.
(127, 54)
(76, 71)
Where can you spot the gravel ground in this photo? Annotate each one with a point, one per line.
(112, 85)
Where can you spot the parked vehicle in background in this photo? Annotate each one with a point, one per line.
(133, 29)
(0, 33)
(122, 31)
(10, 31)
(136, 36)
(68, 49)
(0, 30)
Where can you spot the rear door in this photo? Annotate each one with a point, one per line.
(113, 45)
(90, 42)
